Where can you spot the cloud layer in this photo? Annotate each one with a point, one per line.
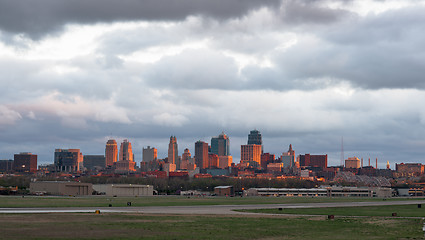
(74, 73)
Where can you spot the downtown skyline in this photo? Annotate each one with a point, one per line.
(305, 73)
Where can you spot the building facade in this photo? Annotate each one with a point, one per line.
(68, 160)
(94, 162)
(254, 137)
(316, 161)
(201, 154)
(149, 154)
(352, 162)
(111, 152)
(251, 154)
(173, 153)
(126, 163)
(126, 152)
(220, 145)
(25, 162)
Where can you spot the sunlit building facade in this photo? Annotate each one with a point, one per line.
(111, 152)
(201, 154)
(251, 154)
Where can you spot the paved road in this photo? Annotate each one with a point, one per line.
(209, 209)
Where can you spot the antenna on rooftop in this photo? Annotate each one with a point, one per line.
(342, 152)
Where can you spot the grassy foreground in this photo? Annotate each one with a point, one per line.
(102, 201)
(383, 211)
(136, 226)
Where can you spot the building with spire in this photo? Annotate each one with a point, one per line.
(111, 152)
(173, 153)
(288, 158)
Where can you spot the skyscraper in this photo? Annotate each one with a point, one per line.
(254, 137)
(68, 160)
(111, 152)
(288, 158)
(126, 162)
(220, 145)
(201, 154)
(173, 154)
(25, 162)
(251, 154)
(150, 154)
(126, 153)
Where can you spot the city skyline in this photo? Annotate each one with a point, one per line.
(304, 73)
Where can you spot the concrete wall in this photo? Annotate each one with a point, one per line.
(61, 188)
(124, 189)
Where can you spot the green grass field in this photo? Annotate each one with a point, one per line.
(102, 201)
(139, 226)
(383, 211)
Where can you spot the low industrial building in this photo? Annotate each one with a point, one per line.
(320, 192)
(287, 192)
(224, 191)
(61, 188)
(124, 190)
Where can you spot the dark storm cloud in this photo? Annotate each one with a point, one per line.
(44, 16)
(310, 12)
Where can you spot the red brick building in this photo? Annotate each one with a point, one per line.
(317, 161)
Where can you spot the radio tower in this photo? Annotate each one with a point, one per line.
(342, 152)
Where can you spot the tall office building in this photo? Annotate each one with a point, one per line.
(94, 162)
(68, 160)
(288, 158)
(149, 154)
(111, 152)
(316, 161)
(201, 154)
(254, 137)
(251, 154)
(220, 145)
(25, 162)
(126, 153)
(126, 163)
(173, 154)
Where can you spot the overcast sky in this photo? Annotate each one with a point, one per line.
(75, 72)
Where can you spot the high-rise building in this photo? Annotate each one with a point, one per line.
(25, 162)
(186, 155)
(251, 154)
(68, 160)
(266, 158)
(220, 145)
(288, 158)
(186, 160)
(213, 161)
(6, 166)
(111, 152)
(126, 163)
(173, 153)
(254, 137)
(224, 161)
(93, 162)
(149, 154)
(316, 161)
(201, 154)
(126, 153)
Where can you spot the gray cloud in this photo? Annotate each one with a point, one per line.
(37, 19)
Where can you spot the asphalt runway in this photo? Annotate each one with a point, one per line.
(203, 210)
